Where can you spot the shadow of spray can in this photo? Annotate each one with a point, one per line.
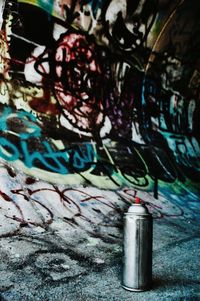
(137, 248)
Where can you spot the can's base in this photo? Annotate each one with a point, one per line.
(135, 289)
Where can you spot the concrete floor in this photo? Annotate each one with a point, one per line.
(80, 258)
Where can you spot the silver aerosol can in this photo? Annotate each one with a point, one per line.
(137, 248)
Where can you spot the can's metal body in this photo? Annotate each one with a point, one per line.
(137, 249)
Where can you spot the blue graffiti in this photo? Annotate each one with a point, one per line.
(45, 155)
(29, 121)
(48, 159)
(62, 162)
(8, 150)
(3, 119)
(95, 5)
(46, 5)
(28, 125)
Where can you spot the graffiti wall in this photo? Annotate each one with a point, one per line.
(102, 93)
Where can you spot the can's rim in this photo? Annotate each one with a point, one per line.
(136, 289)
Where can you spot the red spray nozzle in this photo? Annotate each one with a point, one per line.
(137, 200)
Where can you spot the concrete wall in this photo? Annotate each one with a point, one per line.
(98, 94)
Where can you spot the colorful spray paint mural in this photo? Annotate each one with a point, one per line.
(102, 93)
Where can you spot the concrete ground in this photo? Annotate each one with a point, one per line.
(70, 246)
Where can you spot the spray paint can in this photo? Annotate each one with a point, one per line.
(137, 248)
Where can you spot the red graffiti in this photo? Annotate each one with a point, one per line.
(77, 85)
